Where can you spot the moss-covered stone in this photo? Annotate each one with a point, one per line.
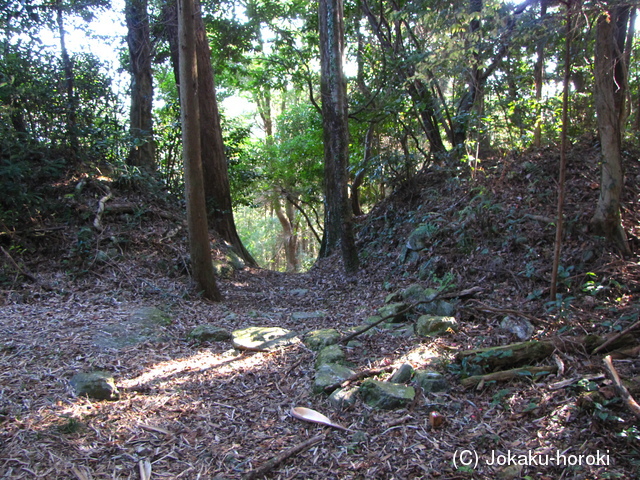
(330, 374)
(97, 385)
(262, 338)
(318, 339)
(386, 395)
(330, 354)
(403, 374)
(431, 382)
(343, 397)
(209, 333)
(434, 325)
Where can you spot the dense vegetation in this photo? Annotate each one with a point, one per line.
(430, 84)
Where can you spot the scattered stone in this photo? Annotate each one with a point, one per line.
(299, 292)
(434, 325)
(300, 316)
(431, 382)
(144, 324)
(402, 375)
(318, 339)
(343, 397)
(520, 327)
(330, 354)
(386, 395)
(394, 310)
(209, 333)
(330, 374)
(414, 293)
(222, 269)
(262, 338)
(420, 238)
(97, 385)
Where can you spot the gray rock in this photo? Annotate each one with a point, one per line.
(329, 374)
(402, 375)
(318, 339)
(97, 385)
(234, 260)
(330, 354)
(431, 382)
(299, 292)
(386, 395)
(433, 325)
(209, 333)
(343, 397)
(262, 338)
(520, 327)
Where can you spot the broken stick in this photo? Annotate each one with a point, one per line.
(622, 390)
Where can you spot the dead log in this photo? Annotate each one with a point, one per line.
(506, 375)
(524, 353)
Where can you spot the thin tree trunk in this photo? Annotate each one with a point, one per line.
(611, 85)
(338, 231)
(142, 153)
(196, 208)
(563, 154)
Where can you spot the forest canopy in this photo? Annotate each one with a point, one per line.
(429, 85)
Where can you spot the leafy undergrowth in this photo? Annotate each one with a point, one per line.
(197, 411)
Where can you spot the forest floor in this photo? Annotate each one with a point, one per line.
(189, 410)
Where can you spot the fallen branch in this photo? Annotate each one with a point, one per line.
(506, 375)
(19, 269)
(278, 459)
(615, 337)
(358, 376)
(507, 311)
(622, 390)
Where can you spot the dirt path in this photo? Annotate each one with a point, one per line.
(195, 411)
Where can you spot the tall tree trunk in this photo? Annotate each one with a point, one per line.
(214, 161)
(142, 153)
(196, 207)
(338, 230)
(215, 169)
(69, 80)
(611, 85)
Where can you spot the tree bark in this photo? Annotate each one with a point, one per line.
(190, 116)
(338, 231)
(214, 161)
(215, 168)
(142, 153)
(610, 91)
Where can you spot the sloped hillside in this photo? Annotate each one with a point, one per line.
(74, 297)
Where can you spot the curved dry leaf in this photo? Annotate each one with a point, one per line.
(309, 415)
(145, 469)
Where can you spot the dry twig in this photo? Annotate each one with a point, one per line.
(624, 393)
